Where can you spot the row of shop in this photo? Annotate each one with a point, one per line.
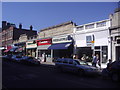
(88, 39)
(45, 49)
(65, 46)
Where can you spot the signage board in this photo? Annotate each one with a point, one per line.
(31, 44)
(62, 39)
(90, 40)
(44, 42)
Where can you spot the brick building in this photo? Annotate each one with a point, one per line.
(11, 33)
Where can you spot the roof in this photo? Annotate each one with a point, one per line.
(59, 25)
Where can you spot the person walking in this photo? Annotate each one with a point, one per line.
(98, 60)
(94, 61)
(83, 57)
(109, 64)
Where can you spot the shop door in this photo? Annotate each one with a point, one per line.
(117, 53)
(98, 52)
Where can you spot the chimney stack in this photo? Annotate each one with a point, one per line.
(31, 27)
(8, 24)
(20, 26)
(4, 23)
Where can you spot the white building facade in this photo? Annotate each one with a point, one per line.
(93, 38)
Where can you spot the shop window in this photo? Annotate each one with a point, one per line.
(97, 47)
(104, 54)
(88, 40)
(118, 41)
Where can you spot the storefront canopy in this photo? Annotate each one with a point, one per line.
(19, 50)
(43, 47)
(60, 46)
(8, 48)
(13, 49)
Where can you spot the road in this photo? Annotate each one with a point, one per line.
(15, 75)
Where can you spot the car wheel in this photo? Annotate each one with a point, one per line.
(115, 77)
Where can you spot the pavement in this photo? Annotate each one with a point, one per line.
(47, 63)
(103, 65)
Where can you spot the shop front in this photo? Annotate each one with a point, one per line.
(31, 47)
(7, 50)
(19, 48)
(42, 51)
(62, 46)
(93, 41)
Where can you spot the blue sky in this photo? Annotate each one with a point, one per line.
(45, 14)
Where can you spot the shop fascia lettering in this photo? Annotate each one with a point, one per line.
(61, 39)
(31, 43)
(44, 42)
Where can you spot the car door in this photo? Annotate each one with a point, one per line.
(65, 65)
(71, 66)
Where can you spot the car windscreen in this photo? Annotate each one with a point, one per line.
(80, 62)
(83, 63)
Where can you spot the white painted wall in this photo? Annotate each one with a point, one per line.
(101, 35)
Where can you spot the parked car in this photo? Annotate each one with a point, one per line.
(30, 60)
(17, 58)
(4, 57)
(113, 71)
(7, 57)
(75, 66)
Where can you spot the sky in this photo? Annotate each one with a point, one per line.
(45, 14)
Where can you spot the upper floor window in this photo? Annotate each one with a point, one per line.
(101, 24)
(80, 28)
(89, 26)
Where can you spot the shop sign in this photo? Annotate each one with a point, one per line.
(44, 42)
(90, 40)
(31, 44)
(62, 39)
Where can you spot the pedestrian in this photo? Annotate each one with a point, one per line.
(106, 71)
(74, 56)
(83, 57)
(98, 60)
(94, 61)
(109, 64)
(43, 57)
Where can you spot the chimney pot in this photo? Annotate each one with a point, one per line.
(31, 27)
(20, 26)
(4, 23)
